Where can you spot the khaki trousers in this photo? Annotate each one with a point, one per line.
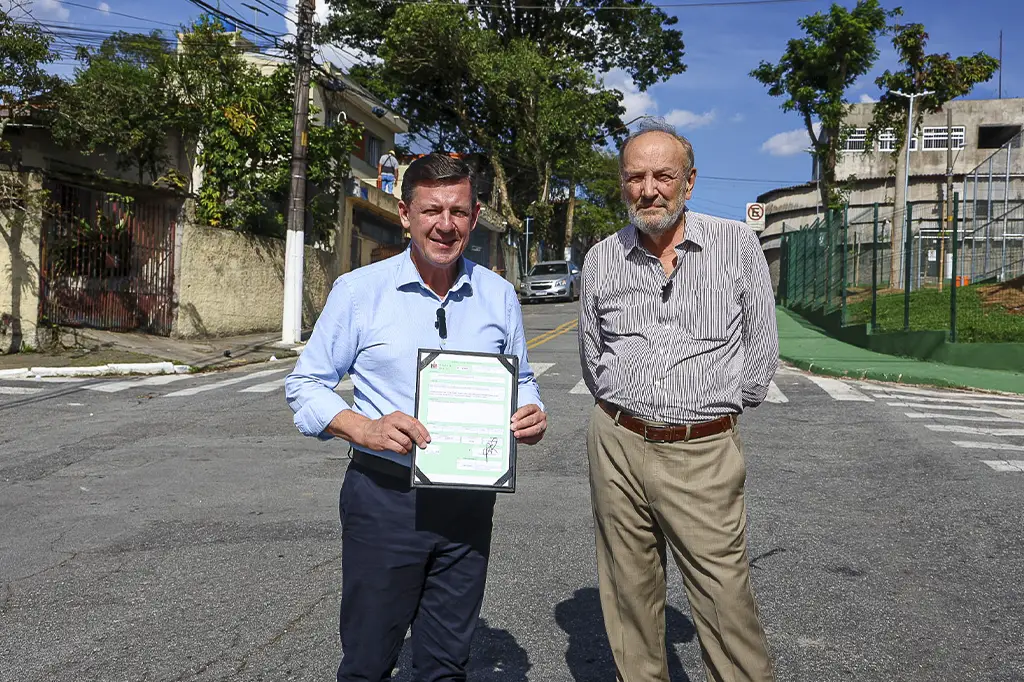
(688, 496)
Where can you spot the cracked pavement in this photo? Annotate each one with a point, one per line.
(149, 538)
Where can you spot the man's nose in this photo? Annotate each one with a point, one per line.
(650, 188)
(446, 222)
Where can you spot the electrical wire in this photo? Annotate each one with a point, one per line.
(626, 8)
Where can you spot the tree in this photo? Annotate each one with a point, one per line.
(516, 83)
(946, 78)
(815, 73)
(121, 99)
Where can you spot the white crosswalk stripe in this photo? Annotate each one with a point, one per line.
(19, 390)
(958, 417)
(840, 390)
(580, 388)
(974, 430)
(984, 445)
(775, 395)
(1006, 466)
(950, 408)
(117, 386)
(904, 391)
(540, 367)
(203, 388)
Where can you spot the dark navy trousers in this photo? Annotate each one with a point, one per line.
(410, 557)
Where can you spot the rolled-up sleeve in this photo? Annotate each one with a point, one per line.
(589, 327)
(529, 391)
(760, 333)
(327, 357)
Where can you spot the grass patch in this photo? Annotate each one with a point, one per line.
(981, 317)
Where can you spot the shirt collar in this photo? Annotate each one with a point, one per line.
(695, 232)
(409, 274)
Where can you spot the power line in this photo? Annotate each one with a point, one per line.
(120, 14)
(627, 8)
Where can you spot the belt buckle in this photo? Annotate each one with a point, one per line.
(649, 439)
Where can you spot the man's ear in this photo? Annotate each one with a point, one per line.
(691, 180)
(403, 214)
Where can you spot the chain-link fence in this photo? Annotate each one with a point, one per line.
(947, 272)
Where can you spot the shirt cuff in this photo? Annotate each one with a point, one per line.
(754, 395)
(317, 414)
(529, 395)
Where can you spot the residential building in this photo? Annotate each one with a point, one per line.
(987, 173)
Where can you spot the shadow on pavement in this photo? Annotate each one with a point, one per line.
(589, 657)
(495, 657)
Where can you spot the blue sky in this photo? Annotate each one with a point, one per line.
(744, 143)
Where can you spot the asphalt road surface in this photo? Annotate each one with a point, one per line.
(181, 529)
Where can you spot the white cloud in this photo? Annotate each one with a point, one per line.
(738, 118)
(789, 143)
(635, 102)
(681, 118)
(40, 10)
(103, 7)
(867, 99)
(345, 59)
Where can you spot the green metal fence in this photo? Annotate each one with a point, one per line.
(939, 275)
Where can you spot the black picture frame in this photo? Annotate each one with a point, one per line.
(507, 481)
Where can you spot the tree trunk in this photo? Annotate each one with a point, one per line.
(504, 203)
(569, 214)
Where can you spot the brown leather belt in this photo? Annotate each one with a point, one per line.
(653, 433)
(380, 465)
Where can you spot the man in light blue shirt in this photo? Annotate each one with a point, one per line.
(410, 556)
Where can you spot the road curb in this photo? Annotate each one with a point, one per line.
(881, 375)
(112, 369)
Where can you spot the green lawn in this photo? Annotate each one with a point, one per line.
(977, 322)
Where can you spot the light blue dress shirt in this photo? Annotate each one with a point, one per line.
(375, 320)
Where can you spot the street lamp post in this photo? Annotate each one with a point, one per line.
(906, 170)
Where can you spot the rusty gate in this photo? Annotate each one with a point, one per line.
(107, 260)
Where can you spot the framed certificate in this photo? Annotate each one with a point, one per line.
(466, 402)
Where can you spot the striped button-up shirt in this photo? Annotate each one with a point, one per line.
(685, 348)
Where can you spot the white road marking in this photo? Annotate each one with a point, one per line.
(540, 367)
(1006, 466)
(840, 390)
(951, 408)
(908, 390)
(580, 388)
(958, 417)
(345, 385)
(985, 445)
(116, 386)
(961, 401)
(267, 387)
(18, 390)
(775, 395)
(974, 430)
(222, 384)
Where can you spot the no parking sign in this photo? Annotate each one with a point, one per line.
(755, 216)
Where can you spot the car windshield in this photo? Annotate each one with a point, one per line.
(549, 269)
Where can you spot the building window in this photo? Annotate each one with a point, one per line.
(995, 136)
(937, 138)
(374, 149)
(887, 141)
(856, 141)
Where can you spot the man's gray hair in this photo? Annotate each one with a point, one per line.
(658, 125)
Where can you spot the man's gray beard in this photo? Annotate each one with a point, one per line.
(656, 228)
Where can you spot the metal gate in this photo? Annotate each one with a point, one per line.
(108, 260)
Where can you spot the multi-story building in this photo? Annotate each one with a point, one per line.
(987, 172)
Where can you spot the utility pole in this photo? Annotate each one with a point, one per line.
(906, 176)
(291, 324)
(1000, 65)
(947, 203)
(526, 234)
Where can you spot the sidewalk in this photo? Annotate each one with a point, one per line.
(808, 348)
(106, 348)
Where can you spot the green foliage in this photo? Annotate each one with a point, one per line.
(122, 99)
(816, 71)
(600, 210)
(133, 92)
(946, 77)
(514, 83)
(25, 50)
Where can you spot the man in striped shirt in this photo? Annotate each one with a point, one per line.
(677, 337)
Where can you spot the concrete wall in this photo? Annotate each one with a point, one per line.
(20, 237)
(967, 113)
(229, 283)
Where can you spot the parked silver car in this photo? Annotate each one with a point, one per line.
(556, 279)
